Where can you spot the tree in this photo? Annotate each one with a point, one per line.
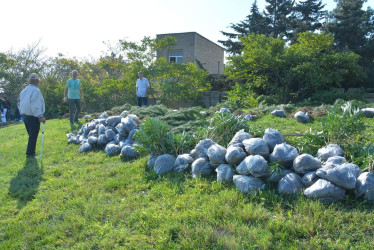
(348, 24)
(279, 12)
(290, 73)
(177, 81)
(308, 16)
(17, 66)
(353, 29)
(145, 53)
(255, 23)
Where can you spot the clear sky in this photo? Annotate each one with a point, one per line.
(77, 28)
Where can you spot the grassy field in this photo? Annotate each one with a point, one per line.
(75, 200)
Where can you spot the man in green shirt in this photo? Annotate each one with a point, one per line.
(74, 96)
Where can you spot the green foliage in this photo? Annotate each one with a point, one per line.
(119, 109)
(294, 72)
(177, 81)
(341, 124)
(220, 82)
(307, 142)
(280, 13)
(330, 96)
(222, 127)
(361, 155)
(154, 137)
(114, 91)
(180, 117)
(350, 24)
(144, 53)
(255, 23)
(190, 127)
(15, 68)
(309, 15)
(266, 109)
(242, 96)
(51, 90)
(150, 111)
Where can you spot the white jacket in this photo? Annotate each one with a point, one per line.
(31, 101)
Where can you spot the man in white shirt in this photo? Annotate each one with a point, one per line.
(32, 108)
(142, 86)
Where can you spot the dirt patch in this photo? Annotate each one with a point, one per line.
(312, 112)
(239, 112)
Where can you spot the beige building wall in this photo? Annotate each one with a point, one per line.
(196, 48)
(209, 54)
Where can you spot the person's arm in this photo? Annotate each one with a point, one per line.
(37, 105)
(146, 89)
(136, 88)
(66, 93)
(81, 94)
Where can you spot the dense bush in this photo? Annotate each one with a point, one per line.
(220, 82)
(291, 72)
(330, 96)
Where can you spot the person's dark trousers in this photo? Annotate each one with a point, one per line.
(74, 110)
(32, 125)
(143, 100)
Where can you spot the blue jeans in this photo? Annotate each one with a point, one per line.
(142, 99)
(74, 110)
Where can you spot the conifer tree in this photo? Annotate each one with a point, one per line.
(350, 25)
(255, 23)
(309, 15)
(279, 12)
(353, 29)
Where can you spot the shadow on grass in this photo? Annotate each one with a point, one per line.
(25, 185)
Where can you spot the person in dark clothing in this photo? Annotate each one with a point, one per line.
(4, 110)
(9, 111)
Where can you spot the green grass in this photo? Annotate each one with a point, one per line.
(75, 200)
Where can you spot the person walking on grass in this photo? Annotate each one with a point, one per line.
(32, 109)
(73, 93)
(142, 86)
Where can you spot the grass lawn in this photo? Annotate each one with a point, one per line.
(75, 200)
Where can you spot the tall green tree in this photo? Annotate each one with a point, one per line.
(17, 66)
(350, 25)
(281, 19)
(309, 15)
(353, 29)
(255, 23)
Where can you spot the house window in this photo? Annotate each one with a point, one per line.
(176, 56)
